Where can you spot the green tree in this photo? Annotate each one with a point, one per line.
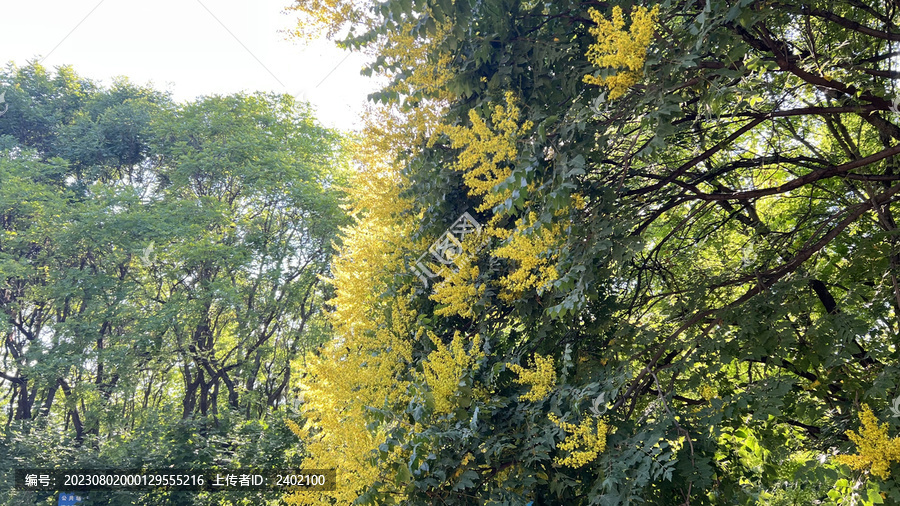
(249, 186)
(159, 274)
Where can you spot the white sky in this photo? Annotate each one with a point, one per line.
(178, 46)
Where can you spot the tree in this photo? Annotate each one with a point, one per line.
(159, 273)
(688, 210)
(250, 203)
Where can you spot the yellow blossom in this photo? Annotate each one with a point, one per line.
(584, 442)
(374, 335)
(317, 16)
(541, 376)
(535, 251)
(578, 201)
(458, 292)
(295, 428)
(446, 366)
(708, 392)
(620, 49)
(876, 450)
(486, 152)
(373, 340)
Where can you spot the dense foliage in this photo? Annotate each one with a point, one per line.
(682, 285)
(159, 277)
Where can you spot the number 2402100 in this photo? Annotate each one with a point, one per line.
(300, 480)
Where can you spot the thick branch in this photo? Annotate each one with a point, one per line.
(803, 180)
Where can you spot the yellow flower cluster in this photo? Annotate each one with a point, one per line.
(540, 375)
(410, 54)
(317, 16)
(468, 457)
(486, 153)
(578, 201)
(373, 340)
(584, 442)
(362, 367)
(457, 292)
(295, 428)
(535, 253)
(446, 366)
(620, 49)
(708, 392)
(876, 449)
